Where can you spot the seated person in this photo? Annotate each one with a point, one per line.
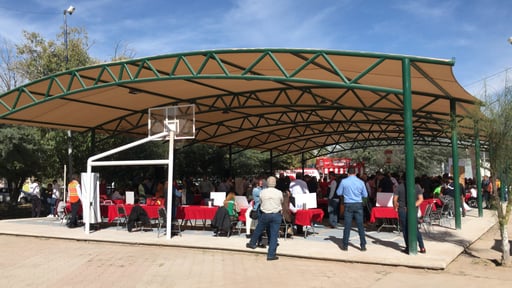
(230, 205)
(138, 214)
(288, 210)
(448, 195)
(118, 195)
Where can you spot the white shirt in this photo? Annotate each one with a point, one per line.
(271, 200)
(298, 186)
(55, 191)
(34, 189)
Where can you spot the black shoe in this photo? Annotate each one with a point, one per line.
(344, 248)
(363, 248)
(261, 245)
(272, 258)
(248, 245)
(247, 235)
(405, 251)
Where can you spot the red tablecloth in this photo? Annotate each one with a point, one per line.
(426, 202)
(194, 212)
(307, 217)
(383, 212)
(110, 211)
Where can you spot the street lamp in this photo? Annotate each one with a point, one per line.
(510, 40)
(69, 11)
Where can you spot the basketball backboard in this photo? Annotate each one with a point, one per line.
(180, 119)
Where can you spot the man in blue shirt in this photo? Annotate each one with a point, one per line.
(353, 191)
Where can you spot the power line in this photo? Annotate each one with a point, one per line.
(488, 77)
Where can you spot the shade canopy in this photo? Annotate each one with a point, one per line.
(279, 100)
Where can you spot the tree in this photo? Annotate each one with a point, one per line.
(496, 125)
(39, 58)
(8, 58)
(19, 156)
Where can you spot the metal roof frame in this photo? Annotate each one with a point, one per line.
(280, 100)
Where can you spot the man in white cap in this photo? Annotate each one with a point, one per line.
(271, 200)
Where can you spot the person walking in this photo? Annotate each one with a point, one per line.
(353, 191)
(75, 193)
(400, 205)
(36, 198)
(270, 219)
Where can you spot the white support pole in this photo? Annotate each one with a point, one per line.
(124, 147)
(86, 201)
(130, 162)
(170, 186)
(65, 183)
(87, 187)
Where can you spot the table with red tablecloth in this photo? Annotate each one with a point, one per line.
(383, 213)
(110, 211)
(186, 213)
(388, 215)
(195, 212)
(308, 217)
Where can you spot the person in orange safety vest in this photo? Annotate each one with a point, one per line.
(74, 198)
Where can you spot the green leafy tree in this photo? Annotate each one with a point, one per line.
(19, 156)
(496, 126)
(39, 57)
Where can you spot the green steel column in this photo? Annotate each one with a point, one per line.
(412, 218)
(455, 163)
(477, 168)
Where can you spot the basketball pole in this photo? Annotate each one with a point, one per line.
(170, 184)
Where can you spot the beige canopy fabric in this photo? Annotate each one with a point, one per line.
(280, 100)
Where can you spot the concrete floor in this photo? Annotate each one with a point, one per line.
(443, 244)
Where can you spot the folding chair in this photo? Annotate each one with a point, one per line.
(425, 221)
(285, 226)
(442, 215)
(122, 217)
(235, 225)
(162, 222)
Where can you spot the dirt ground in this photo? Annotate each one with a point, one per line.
(40, 262)
(484, 256)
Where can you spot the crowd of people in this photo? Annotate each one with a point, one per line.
(350, 198)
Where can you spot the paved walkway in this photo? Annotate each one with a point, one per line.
(443, 244)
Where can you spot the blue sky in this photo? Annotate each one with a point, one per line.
(474, 32)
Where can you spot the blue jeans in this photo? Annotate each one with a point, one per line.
(52, 202)
(353, 211)
(334, 210)
(270, 222)
(402, 216)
